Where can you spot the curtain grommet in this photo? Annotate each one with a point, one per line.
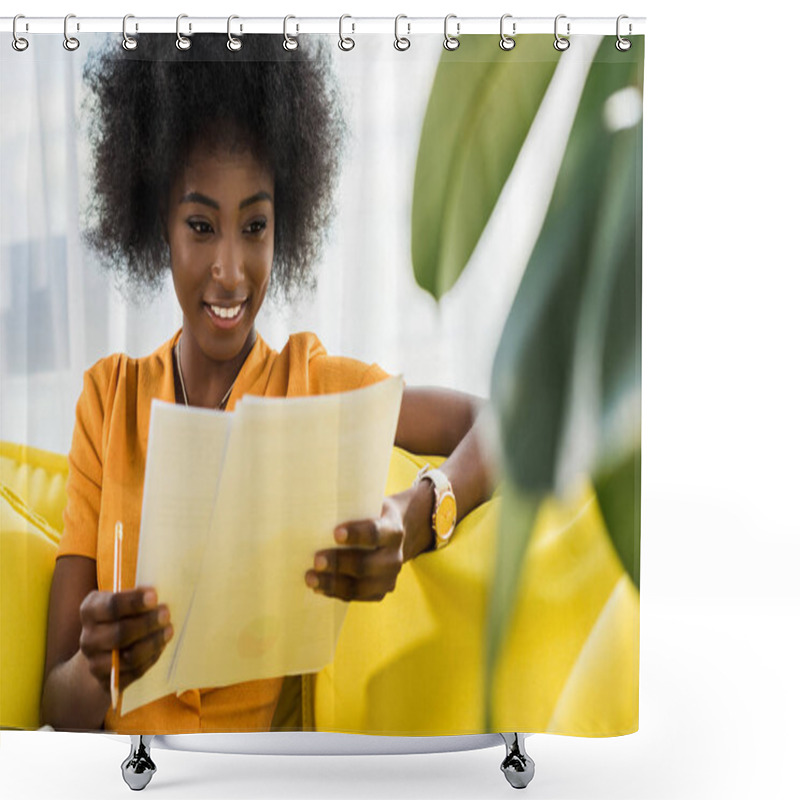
(128, 42)
(70, 43)
(19, 43)
(289, 42)
(234, 43)
(401, 43)
(451, 42)
(507, 42)
(561, 43)
(622, 44)
(346, 43)
(182, 42)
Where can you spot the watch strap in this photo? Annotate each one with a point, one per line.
(442, 488)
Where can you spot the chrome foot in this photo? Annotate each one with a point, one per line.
(138, 768)
(517, 766)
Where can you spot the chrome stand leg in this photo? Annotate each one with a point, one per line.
(138, 768)
(517, 766)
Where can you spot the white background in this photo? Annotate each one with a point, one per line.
(720, 529)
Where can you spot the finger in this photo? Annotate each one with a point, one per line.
(111, 606)
(373, 533)
(359, 562)
(345, 587)
(137, 658)
(132, 659)
(120, 634)
(127, 678)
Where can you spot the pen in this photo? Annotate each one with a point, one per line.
(117, 588)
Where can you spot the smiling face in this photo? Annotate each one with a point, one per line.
(221, 231)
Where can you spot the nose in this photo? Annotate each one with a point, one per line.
(228, 266)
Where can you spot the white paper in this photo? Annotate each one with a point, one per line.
(235, 506)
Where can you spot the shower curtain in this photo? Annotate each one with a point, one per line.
(466, 217)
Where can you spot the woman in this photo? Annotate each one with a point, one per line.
(218, 168)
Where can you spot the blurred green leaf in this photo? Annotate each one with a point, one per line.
(518, 512)
(534, 363)
(480, 110)
(568, 348)
(617, 491)
(621, 359)
(611, 353)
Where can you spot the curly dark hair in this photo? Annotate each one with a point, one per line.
(151, 106)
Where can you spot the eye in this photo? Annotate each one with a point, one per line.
(256, 226)
(199, 226)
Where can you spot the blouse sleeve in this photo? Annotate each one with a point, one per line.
(330, 374)
(85, 477)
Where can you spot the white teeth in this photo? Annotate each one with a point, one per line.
(226, 313)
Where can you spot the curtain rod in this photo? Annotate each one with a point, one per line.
(630, 26)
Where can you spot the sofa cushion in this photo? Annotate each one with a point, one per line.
(27, 556)
(38, 478)
(414, 664)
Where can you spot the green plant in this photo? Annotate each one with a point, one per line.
(567, 373)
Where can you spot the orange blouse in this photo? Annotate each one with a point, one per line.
(105, 484)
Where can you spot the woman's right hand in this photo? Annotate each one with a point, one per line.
(132, 622)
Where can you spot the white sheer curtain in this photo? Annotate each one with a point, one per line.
(59, 311)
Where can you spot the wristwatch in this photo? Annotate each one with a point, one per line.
(443, 519)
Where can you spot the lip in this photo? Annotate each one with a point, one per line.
(227, 323)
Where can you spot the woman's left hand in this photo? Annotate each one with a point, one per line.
(371, 552)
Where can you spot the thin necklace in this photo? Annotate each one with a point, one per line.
(222, 402)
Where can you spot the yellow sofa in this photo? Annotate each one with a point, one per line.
(412, 664)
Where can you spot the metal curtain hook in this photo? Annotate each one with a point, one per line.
(234, 43)
(506, 42)
(345, 42)
(560, 42)
(289, 42)
(401, 42)
(451, 42)
(623, 44)
(70, 42)
(18, 43)
(181, 42)
(128, 42)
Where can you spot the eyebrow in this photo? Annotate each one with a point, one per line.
(262, 195)
(197, 197)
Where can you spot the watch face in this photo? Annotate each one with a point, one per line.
(446, 516)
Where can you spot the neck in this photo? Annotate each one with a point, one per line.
(206, 380)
